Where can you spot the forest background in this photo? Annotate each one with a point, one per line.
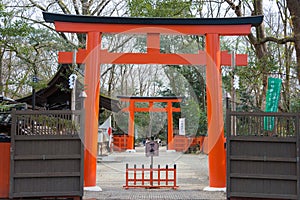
(29, 46)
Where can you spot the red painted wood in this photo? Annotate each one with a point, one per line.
(151, 58)
(216, 150)
(92, 84)
(73, 27)
(170, 125)
(138, 179)
(130, 144)
(4, 169)
(212, 58)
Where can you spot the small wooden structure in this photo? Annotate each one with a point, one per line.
(151, 177)
(169, 109)
(263, 163)
(46, 154)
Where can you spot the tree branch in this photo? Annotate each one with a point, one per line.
(97, 8)
(101, 7)
(237, 9)
(76, 8)
(238, 12)
(37, 5)
(62, 34)
(63, 7)
(276, 40)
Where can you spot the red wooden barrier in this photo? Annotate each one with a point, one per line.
(120, 142)
(150, 177)
(4, 169)
(182, 143)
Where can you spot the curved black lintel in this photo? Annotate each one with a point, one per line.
(253, 20)
(150, 98)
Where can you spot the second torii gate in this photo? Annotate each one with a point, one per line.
(169, 109)
(93, 56)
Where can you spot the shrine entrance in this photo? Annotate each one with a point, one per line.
(169, 109)
(93, 56)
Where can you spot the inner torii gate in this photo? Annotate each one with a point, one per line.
(169, 109)
(93, 56)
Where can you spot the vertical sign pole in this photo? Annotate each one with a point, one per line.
(151, 171)
(233, 56)
(91, 81)
(73, 94)
(216, 150)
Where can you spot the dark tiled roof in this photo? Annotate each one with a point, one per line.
(56, 97)
(253, 20)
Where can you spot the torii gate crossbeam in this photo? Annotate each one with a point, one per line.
(93, 56)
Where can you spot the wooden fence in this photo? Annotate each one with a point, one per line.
(263, 155)
(46, 154)
(151, 177)
(184, 143)
(120, 142)
(179, 143)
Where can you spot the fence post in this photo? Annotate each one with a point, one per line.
(228, 138)
(134, 175)
(126, 176)
(158, 175)
(298, 151)
(167, 174)
(151, 175)
(143, 175)
(174, 176)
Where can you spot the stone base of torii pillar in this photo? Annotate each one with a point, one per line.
(214, 189)
(93, 189)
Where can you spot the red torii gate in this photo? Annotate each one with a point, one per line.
(169, 109)
(212, 57)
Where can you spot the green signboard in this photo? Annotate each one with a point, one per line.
(272, 99)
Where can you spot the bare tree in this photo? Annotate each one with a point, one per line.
(261, 43)
(294, 8)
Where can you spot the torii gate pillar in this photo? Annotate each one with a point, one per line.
(91, 118)
(216, 140)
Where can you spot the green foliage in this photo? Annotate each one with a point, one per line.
(4, 107)
(26, 50)
(295, 105)
(189, 81)
(159, 8)
(142, 118)
(195, 118)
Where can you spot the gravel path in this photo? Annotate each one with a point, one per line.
(192, 176)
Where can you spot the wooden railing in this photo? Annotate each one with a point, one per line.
(262, 124)
(60, 122)
(150, 177)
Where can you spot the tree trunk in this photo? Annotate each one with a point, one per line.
(260, 47)
(110, 80)
(294, 8)
(1, 67)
